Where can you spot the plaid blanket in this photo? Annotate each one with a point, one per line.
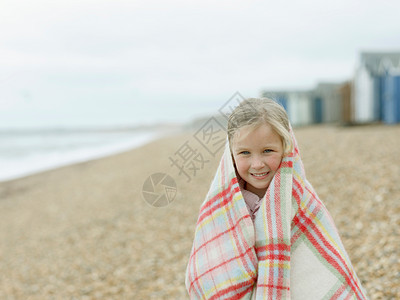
(292, 251)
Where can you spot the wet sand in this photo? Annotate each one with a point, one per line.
(86, 232)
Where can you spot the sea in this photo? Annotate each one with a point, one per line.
(25, 152)
(29, 144)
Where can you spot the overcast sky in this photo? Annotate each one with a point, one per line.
(87, 62)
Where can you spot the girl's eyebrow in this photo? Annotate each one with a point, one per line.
(266, 145)
(241, 148)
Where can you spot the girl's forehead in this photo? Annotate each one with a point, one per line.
(261, 133)
(244, 131)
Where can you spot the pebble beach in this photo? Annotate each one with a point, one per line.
(86, 231)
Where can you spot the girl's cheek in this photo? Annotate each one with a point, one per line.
(275, 163)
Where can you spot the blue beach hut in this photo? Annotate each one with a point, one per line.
(370, 87)
(282, 99)
(391, 97)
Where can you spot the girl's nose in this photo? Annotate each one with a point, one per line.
(257, 163)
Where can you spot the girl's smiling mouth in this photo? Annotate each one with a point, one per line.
(260, 175)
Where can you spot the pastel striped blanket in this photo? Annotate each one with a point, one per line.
(292, 251)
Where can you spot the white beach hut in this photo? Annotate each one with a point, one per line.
(300, 108)
(364, 100)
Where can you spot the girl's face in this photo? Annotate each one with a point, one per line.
(257, 154)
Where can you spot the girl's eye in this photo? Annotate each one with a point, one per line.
(268, 150)
(244, 152)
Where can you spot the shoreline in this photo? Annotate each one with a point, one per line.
(82, 155)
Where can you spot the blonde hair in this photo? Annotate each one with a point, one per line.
(257, 111)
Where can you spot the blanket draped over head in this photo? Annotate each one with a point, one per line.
(293, 250)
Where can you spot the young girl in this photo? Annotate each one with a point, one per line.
(262, 232)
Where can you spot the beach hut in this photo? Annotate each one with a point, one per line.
(345, 91)
(391, 97)
(368, 85)
(300, 108)
(317, 108)
(327, 103)
(298, 105)
(281, 97)
(364, 96)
